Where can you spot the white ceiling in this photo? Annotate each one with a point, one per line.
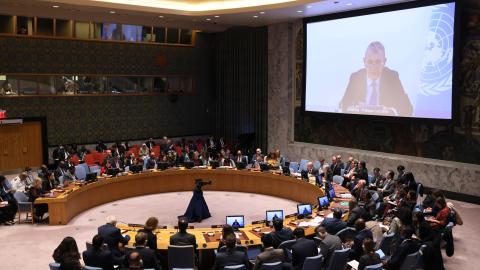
(210, 20)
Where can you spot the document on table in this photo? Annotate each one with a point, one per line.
(353, 264)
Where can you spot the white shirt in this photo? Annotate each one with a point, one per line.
(370, 82)
(19, 185)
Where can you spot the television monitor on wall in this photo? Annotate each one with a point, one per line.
(394, 61)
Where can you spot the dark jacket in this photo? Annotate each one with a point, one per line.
(280, 236)
(357, 250)
(99, 258)
(151, 239)
(391, 92)
(367, 260)
(111, 235)
(302, 249)
(231, 257)
(148, 256)
(333, 225)
(183, 239)
(406, 248)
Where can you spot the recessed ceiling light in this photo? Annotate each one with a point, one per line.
(299, 11)
(112, 12)
(216, 16)
(208, 19)
(160, 16)
(309, 6)
(349, 4)
(255, 16)
(55, 6)
(262, 12)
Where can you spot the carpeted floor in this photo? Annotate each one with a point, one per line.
(29, 247)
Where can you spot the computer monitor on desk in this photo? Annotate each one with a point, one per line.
(323, 202)
(271, 215)
(304, 209)
(236, 222)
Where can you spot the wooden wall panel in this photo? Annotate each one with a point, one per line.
(20, 145)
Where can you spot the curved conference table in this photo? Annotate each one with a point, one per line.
(68, 204)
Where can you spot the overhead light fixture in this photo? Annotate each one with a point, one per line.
(112, 12)
(299, 11)
(55, 6)
(349, 4)
(208, 19)
(216, 16)
(255, 16)
(262, 12)
(160, 16)
(309, 6)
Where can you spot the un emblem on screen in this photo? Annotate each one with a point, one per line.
(437, 62)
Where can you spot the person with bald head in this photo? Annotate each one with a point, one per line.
(376, 86)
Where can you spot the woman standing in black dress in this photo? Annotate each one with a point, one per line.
(197, 209)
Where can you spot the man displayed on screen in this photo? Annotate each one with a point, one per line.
(235, 224)
(376, 89)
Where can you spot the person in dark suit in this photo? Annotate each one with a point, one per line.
(281, 233)
(240, 158)
(111, 234)
(182, 238)
(329, 243)
(337, 165)
(150, 143)
(370, 257)
(101, 147)
(148, 229)
(407, 246)
(335, 224)
(362, 232)
(302, 248)
(97, 256)
(148, 256)
(376, 85)
(355, 212)
(231, 256)
(134, 262)
(269, 253)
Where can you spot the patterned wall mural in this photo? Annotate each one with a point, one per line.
(86, 119)
(459, 141)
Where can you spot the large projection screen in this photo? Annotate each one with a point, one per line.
(396, 63)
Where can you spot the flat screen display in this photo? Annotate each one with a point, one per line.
(396, 63)
(323, 201)
(236, 221)
(274, 214)
(304, 209)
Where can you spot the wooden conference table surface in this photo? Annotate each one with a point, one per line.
(66, 204)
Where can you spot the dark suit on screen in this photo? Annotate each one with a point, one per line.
(391, 92)
(149, 257)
